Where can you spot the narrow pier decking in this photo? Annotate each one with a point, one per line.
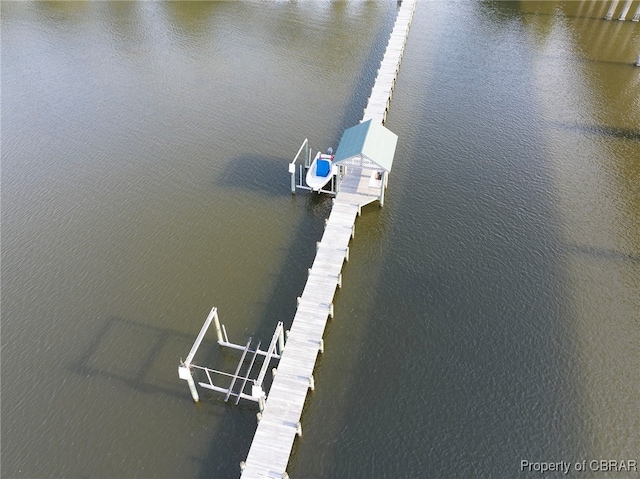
(280, 419)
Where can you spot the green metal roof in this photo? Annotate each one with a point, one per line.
(368, 144)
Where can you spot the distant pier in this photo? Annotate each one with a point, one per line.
(611, 12)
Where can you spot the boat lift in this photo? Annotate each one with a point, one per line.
(257, 394)
(306, 159)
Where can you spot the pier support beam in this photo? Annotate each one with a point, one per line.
(321, 346)
(312, 383)
(612, 10)
(292, 170)
(383, 185)
(184, 372)
(636, 16)
(625, 10)
(258, 393)
(192, 388)
(299, 429)
(637, 63)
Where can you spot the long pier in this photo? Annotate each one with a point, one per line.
(280, 419)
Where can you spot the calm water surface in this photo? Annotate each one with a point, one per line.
(490, 312)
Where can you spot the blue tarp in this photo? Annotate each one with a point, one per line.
(323, 167)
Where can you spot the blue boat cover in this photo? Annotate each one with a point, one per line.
(323, 167)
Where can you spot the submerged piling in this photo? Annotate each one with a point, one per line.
(625, 10)
(612, 10)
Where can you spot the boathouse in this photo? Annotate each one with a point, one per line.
(370, 147)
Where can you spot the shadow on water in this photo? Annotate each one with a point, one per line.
(137, 354)
(129, 351)
(629, 64)
(501, 9)
(602, 253)
(261, 174)
(585, 60)
(599, 130)
(140, 348)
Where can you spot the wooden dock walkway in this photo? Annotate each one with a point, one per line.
(382, 91)
(280, 421)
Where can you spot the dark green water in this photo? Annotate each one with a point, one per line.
(490, 311)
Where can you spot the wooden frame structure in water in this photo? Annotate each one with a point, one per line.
(258, 394)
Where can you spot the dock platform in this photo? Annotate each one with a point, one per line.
(280, 420)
